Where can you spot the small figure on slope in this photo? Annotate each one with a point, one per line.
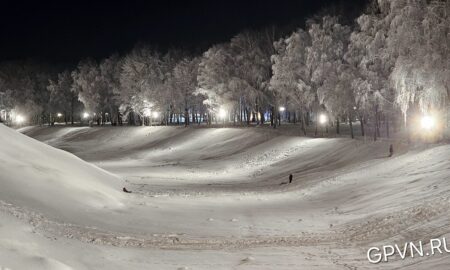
(391, 150)
(126, 190)
(290, 178)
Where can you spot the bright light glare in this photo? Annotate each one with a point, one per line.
(282, 109)
(427, 122)
(85, 115)
(222, 113)
(20, 119)
(147, 112)
(59, 114)
(323, 119)
(155, 114)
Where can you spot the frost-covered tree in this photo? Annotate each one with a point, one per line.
(419, 40)
(169, 94)
(325, 63)
(290, 73)
(185, 84)
(251, 51)
(63, 97)
(236, 75)
(369, 53)
(23, 90)
(215, 73)
(110, 71)
(140, 79)
(87, 81)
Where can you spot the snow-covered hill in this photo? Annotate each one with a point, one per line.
(35, 174)
(216, 199)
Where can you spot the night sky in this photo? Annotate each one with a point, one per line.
(67, 31)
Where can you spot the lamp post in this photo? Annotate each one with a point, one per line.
(323, 119)
(155, 116)
(427, 122)
(147, 113)
(281, 110)
(58, 115)
(222, 114)
(20, 119)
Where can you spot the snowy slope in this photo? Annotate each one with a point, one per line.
(50, 180)
(220, 191)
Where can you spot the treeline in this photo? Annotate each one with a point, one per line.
(391, 64)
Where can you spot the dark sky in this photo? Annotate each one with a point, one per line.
(67, 31)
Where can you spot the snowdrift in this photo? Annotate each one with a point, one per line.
(49, 180)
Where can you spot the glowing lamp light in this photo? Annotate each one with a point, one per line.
(147, 112)
(85, 115)
(282, 109)
(20, 119)
(427, 122)
(323, 119)
(59, 114)
(222, 113)
(155, 114)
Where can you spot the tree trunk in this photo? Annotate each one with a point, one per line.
(387, 126)
(247, 112)
(315, 124)
(72, 105)
(361, 121)
(271, 116)
(303, 124)
(186, 117)
(337, 125)
(351, 126)
(378, 124)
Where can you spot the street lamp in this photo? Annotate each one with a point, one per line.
(147, 112)
(323, 119)
(282, 109)
(20, 119)
(222, 113)
(427, 122)
(59, 114)
(85, 115)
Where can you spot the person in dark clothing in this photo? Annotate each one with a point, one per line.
(391, 150)
(125, 190)
(290, 178)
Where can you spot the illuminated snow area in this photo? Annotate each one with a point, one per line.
(207, 198)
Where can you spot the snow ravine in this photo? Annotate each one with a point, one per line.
(207, 198)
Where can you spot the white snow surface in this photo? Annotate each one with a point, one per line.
(206, 198)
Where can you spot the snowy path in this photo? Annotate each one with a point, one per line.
(220, 191)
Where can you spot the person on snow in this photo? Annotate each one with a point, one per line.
(126, 190)
(290, 178)
(391, 150)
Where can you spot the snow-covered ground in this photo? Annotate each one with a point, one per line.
(207, 198)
